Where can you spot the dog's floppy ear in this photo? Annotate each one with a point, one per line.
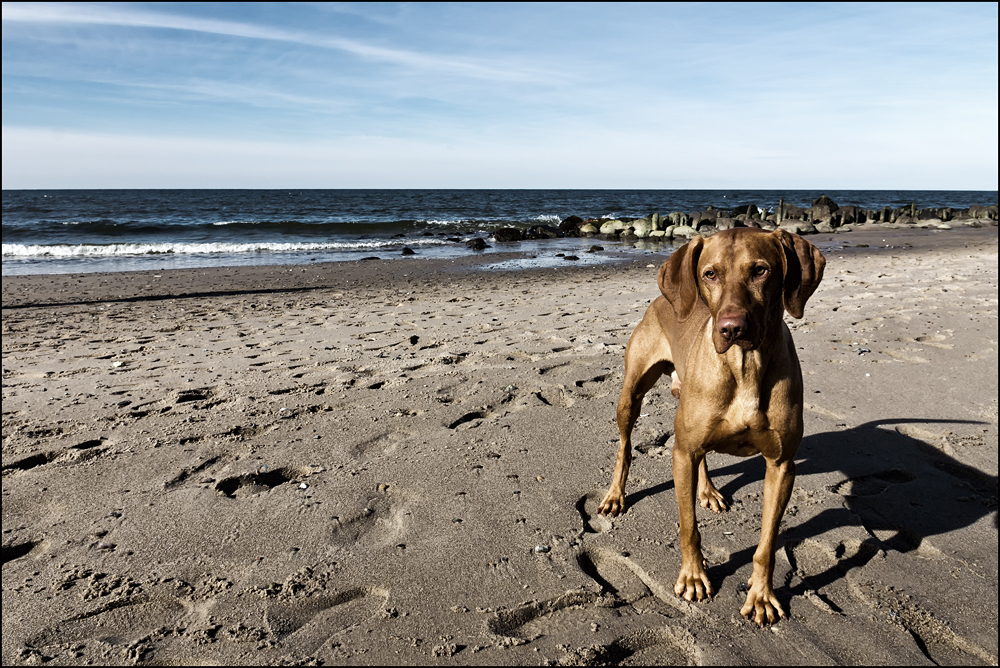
(678, 278)
(803, 265)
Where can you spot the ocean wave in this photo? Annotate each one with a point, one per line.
(24, 251)
(455, 221)
(548, 218)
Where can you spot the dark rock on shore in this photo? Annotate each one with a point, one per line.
(571, 226)
(543, 232)
(823, 216)
(822, 209)
(477, 244)
(506, 234)
(846, 215)
(980, 211)
(725, 222)
(751, 211)
(408, 251)
(788, 211)
(823, 200)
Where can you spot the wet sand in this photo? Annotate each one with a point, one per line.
(399, 462)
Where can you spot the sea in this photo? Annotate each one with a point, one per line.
(68, 231)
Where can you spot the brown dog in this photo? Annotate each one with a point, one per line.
(718, 330)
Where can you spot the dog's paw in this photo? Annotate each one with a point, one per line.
(762, 606)
(693, 585)
(613, 504)
(712, 499)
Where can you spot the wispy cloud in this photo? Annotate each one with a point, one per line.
(112, 16)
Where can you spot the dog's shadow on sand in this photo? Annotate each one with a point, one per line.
(902, 490)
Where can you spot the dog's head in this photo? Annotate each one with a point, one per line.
(745, 276)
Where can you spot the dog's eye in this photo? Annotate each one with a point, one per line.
(710, 275)
(759, 271)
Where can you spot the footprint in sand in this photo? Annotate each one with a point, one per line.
(378, 445)
(189, 471)
(544, 370)
(193, 394)
(115, 623)
(623, 583)
(592, 381)
(870, 485)
(611, 571)
(810, 557)
(576, 614)
(932, 340)
(380, 521)
(18, 550)
(305, 624)
(906, 355)
(626, 580)
(663, 646)
(595, 387)
(76, 453)
(815, 560)
(468, 419)
(248, 484)
(185, 396)
(536, 619)
(593, 522)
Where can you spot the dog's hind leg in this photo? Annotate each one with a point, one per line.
(708, 495)
(646, 359)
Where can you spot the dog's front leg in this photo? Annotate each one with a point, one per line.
(628, 411)
(692, 583)
(761, 605)
(645, 362)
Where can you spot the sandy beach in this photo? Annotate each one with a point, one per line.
(399, 462)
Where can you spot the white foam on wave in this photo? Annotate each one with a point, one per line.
(459, 221)
(236, 222)
(548, 218)
(14, 251)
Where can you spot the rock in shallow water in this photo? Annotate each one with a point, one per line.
(505, 234)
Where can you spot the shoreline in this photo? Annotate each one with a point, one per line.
(399, 463)
(55, 236)
(45, 289)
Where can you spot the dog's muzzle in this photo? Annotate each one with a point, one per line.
(733, 330)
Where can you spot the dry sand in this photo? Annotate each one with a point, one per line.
(354, 463)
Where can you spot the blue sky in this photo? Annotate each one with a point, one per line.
(808, 96)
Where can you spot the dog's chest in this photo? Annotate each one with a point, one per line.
(744, 413)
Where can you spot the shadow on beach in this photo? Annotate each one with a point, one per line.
(901, 489)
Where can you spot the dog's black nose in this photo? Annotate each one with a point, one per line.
(732, 327)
